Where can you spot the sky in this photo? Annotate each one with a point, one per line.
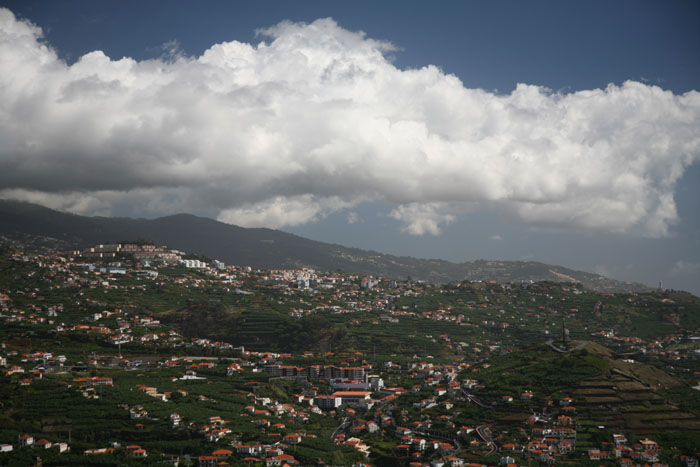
(561, 132)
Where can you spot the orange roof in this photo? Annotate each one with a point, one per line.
(222, 452)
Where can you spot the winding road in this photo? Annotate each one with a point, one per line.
(471, 397)
(550, 343)
(485, 433)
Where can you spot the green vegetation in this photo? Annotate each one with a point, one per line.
(205, 344)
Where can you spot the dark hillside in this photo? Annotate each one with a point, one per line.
(267, 248)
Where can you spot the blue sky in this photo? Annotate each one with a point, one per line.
(376, 150)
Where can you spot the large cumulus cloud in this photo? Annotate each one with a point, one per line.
(316, 119)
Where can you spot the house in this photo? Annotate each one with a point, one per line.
(26, 440)
(248, 449)
(596, 455)
(564, 432)
(280, 459)
(565, 420)
(191, 375)
(6, 447)
(445, 447)
(649, 445)
(566, 446)
(465, 430)
(43, 444)
(372, 427)
(139, 453)
(353, 397)
(95, 381)
(293, 438)
(61, 447)
(417, 443)
(97, 451)
(207, 461)
(219, 453)
(138, 413)
(233, 369)
(470, 383)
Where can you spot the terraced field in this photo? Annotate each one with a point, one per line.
(259, 328)
(623, 401)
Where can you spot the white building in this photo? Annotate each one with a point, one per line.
(193, 263)
(327, 402)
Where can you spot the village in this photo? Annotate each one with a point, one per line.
(374, 371)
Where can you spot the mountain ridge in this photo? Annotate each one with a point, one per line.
(265, 248)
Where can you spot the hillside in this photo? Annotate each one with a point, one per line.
(621, 394)
(267, 248)
(141, 366)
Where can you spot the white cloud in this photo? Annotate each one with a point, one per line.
(354, 218)
(422, 218)
(156, 201)
(684, 268)
(602, 270)
(316, 119)
(496, 237)
(281, 211)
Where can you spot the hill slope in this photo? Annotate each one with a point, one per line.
(267, 248)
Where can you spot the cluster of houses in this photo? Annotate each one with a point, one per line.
(643, 452)
(424, 433)
(28, 441)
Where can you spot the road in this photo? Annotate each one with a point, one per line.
(485, 434)
(560, 350)
(471, 397)
(340, 427)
